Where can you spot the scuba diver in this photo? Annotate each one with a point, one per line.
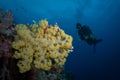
(86, 35)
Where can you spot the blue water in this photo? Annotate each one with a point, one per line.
(103, 17)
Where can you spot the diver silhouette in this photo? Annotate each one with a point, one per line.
(86, 35)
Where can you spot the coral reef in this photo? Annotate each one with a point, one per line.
(8, 67)
(41, 45)
(6, 51)
(5, 55)
(36, 52)
(42, 75)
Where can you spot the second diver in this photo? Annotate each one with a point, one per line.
(86, 34)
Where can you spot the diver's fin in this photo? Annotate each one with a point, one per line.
(94, 45)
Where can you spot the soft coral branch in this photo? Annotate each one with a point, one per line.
(6, 19)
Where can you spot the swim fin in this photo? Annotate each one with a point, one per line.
(94, 46)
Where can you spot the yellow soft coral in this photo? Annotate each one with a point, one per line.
(40, 45)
